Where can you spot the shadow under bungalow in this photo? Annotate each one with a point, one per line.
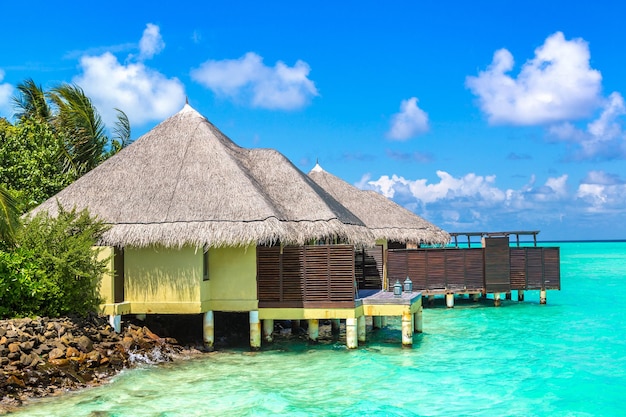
(200, 225)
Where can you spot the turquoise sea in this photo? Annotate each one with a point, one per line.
(567, 358)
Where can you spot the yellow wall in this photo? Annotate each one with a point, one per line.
(106, 285)
(169, 281)
(156, 277)
(232, 279)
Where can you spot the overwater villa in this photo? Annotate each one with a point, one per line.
(200, 225)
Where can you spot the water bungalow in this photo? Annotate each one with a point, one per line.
(200, 225)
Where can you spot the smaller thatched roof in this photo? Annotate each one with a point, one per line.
(186, 183)
(386, 219)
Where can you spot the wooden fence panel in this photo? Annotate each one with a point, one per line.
(417, 269)
(552, 268)
(292, 288)
(518, 268)
(268, 274)
(436, 276)
(497, 264)
(474, 269)
(534, 268)
(455, 269)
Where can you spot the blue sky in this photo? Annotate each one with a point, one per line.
(478, 116)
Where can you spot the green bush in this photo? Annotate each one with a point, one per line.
(54, 270)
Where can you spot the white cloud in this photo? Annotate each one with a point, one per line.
(143, 93)
(602, 192)
(6, 92)
(475, 201)
(603, 138)
(410, 122)
(151, 42)
(448, 188)
(557, 85)
(248, 79)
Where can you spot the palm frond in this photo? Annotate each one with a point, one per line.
(81, 125)
(121, 133)
(31, 101)
(9, 219)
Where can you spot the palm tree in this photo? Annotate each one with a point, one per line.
(75, 121)
(9, 219)
(83, 131)
(31, 102)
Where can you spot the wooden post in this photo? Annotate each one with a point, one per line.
(314, 329)
(351, 333)
(496, 299)
(383, 321)
(450, 300)
(335, 326)
(407, 328)
(255, 330)
(361, 329)
(116, 322)
(476, 297)
(520, 295)
(431, 300)
(268, 329)
(507, 296)
(543, 298)
(418, 321)
(208, 330)
(376, 322)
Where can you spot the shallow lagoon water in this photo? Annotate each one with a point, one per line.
(567, 358)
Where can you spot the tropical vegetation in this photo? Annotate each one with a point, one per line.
(47, 265)
(53, 268)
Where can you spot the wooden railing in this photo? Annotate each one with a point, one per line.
(437, 269)
(491, 269)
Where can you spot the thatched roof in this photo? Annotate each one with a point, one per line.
(386, 219)
(186, 183)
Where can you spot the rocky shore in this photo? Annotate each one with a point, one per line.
(42, 357)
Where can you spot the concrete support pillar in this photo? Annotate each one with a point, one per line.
(208, 329)
(520, 295)
(497, 299)
(361, 329)
(507, 296)
(116, 323)
(335, 326)
(377, 322)
(255, 330)
(431, 300)
(450, 300)
(407, 328)
(418, 321)
(383, 321)
(314, 330)
(352, 341)
(268, 329)
(543, 298)
(476, 297)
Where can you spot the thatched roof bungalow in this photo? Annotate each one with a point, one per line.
(199, 224)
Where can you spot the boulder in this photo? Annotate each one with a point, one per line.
(84, 343)
(56, 353)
